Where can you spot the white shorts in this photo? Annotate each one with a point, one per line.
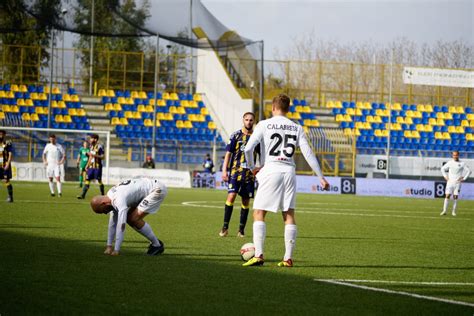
(152, 202)
(276, 191)
(53, 171)
(453, 187)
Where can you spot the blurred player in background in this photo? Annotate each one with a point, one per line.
(208, 164)
(279, 137)
(455, 172)
(53, 158)
(94, 165)
(129, 202)
(6, 157)
(82, 159)
(241, 181)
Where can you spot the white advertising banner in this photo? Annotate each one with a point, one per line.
(438, 77)
(407, 166)
(399, 188)
(31, 171)
(171, 178)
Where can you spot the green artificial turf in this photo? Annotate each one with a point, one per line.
(51, 258)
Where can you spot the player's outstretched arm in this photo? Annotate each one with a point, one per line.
(311, 159)
(113, 217)
(253, 141)
(120, 231)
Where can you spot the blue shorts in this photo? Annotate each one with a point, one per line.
(94, 174)
(5, 174)
(245, 189)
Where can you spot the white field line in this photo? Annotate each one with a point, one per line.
(404, 282)
(368, 288)
(193, 204)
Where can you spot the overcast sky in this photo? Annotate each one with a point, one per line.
(278, 22)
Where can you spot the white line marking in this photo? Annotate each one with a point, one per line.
(193, 204)
(368, 288)
(405, 282)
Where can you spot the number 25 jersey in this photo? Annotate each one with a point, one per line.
(279, 137)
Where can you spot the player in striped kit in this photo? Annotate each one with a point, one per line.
(129, 202)
(6, 157)
(455, 172)
(278, 137)
(94, 166)
(241, 181)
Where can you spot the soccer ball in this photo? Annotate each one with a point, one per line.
(247, 251)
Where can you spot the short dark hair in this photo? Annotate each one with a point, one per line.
(52, 136)
(3, 131)
(282, 102)
(95, 136)
(248, 113)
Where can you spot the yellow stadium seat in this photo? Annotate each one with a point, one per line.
(34, 117)
(56, 90)
(448, 116)
(338, 104)
(66, 97)
(29, 102)
(14, 88)
(378, 133)
(134, 94)
(211, 125)
(197, 97)
(315, 123)
(439, 135)
(358, 112)
(349, 111)
(121, 100)
(296, 115)
(299, 108)
(161, 102)
(81, 112)
(108, 107)
(117, 107)
(460, 129)
(188, 124)
(67, 119)
(396, 107)
(307, 122)
(400, 119)
(407, 134)
(415, 134)
(347, 118)
(179, 124)
(169, 116)
(160, 116)
(20, 102)
(152, 102)
(452, 109)
(61, 104)
(75, 98)
(166, 96)
(204, 111)
(115, 121)
(14, 109)
(39, 110)
(330, 104)
(408, 120)
(158, 123)
(142, 95)
(137, 115)
(339, 118)
(59, 118)
(359, 105)
(25, 116)
(432, 121)
(470, 116)
(468, 136)
(102, 93)
(460, 110)
(2, 115)
(420, 127)
(72, 112)
(54, 104)
(440, 122)
(10, 95)
(174, 96)
(428, 108)
(110, 93)
(148, 122)
(464, 123)
(181, 110)
(428, 128)
(289, 115)
(2, 94)
(172, 109)
(128, 114)
(149, 108)
(123, 121)
(6, 108)
(420, 107)
(42, 96)
(23, 88)
(141, 108)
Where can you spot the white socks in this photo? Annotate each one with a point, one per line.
(259, 232)
(445, 206)
(51, 187)
(455, 202)
(290, 240)
(59, 185)
(147, 232)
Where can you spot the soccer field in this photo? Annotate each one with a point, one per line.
(347, 247)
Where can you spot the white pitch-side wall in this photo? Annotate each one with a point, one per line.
(223, 100)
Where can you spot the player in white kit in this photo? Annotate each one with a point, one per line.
(129, 202)
(455, 172)
(53, 158)
(278, 137)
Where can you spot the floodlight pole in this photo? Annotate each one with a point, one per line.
(389, 115)
(260, 109)
(91, 50)
(191, 66)
(51, 66)
(155, 95)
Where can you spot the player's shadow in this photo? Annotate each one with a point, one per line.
(14, 226)
(363, 266)
(337, 238)
(54, 276)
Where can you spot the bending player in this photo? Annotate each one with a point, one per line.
(129, 202)
(94, 166)
(6, 157)
(53, 157)
(241, 181)
(458, 172)
(279, 137)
